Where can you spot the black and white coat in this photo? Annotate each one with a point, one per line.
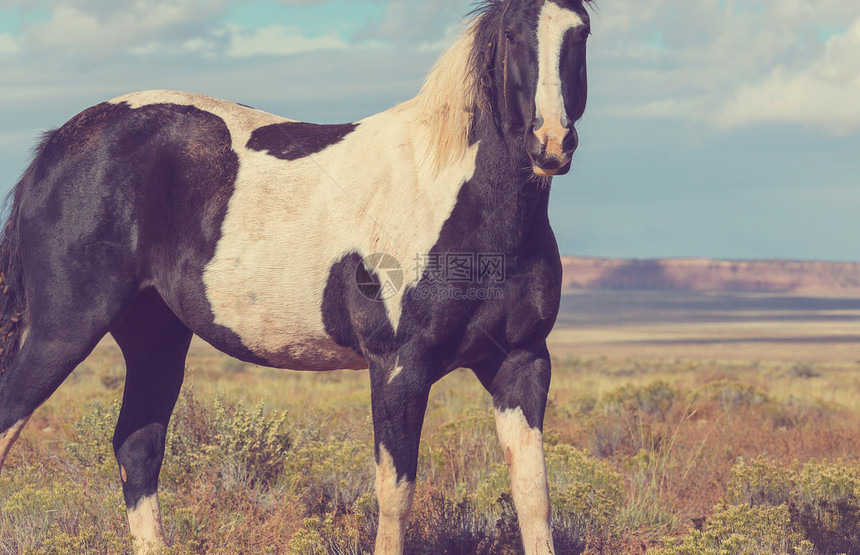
(160, 214)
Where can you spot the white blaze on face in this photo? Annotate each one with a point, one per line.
(523, 447)
(144, 521)
(395, 501)
(553, 24)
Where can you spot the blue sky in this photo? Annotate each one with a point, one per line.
(716, 128)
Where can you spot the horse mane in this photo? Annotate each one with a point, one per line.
(459, 84)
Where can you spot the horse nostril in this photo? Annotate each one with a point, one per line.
(571, 141)
(553, 147)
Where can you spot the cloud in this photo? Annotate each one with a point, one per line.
(407, 23)
(825, 93)
(452, 33)
(728, 63)
(8, 44)
(278, 40)
(99, 30)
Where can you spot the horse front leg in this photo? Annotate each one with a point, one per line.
(519, 387)
(399, 392)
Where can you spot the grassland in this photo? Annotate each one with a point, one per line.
(675, 427)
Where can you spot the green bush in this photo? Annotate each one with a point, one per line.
(93, 447)
(733, 395)
(623, 419)
(340, 533)
(52, 518)
(332, 474)
(325, 535)
(586, 495)
(742, 530)
(827, 506)
(90, 539)
(759, 483)
(823, 498)
(190, 437)
(653, 399)
(446, 524)
(252, 444)
(245, 448)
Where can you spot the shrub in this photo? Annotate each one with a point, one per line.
(443, 524)
(464, 450)
(332, 474)
(325, 535)
(733, 395)
(250, 444)
(759, 483)
(742, 530)
(804, 370)
(190, 437)
(823, 499)
(91, 539)
(337, 533)
(244, 447)
(653, 399)
(623, 419)
(94, 432)
(49, 518)
(827, 506)
(586, 495)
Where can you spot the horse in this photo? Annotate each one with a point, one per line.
(162, 214)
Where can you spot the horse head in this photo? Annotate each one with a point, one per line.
(536, 60)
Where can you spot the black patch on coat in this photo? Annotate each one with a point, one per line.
(154, 344)
(166, 171)
(294, 140)
(349, 313)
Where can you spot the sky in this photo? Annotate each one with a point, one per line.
(715, 128)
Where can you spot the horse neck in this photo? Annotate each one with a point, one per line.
(511, 200)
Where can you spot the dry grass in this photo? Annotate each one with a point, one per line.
(665, 431)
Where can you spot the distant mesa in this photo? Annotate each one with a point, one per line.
(701, 274)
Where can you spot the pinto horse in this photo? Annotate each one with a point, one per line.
(162, 214)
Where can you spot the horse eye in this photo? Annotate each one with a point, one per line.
(509, 35)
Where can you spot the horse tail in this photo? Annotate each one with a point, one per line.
(13, 300)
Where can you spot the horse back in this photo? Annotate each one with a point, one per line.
(136, 190)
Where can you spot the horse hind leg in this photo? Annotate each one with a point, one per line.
(65, 321)
(154, 343)
(9, 437)
(47, 356)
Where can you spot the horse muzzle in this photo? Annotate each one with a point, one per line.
(551, 152)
